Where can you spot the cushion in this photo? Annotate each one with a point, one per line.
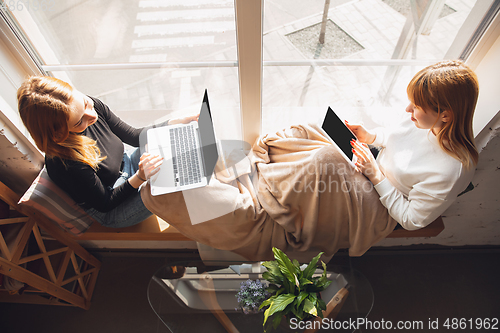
(54, 203)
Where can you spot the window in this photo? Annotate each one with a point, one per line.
(372, 48)
(150, 60)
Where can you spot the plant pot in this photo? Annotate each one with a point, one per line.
(249, 310)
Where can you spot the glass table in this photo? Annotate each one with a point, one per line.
(197, 296)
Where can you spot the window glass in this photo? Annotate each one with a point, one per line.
(172, 93)
(158, 56)
(122, 31)
(364, 38)
(112, 41)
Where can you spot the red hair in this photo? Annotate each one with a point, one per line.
(450, 86)
(44, 105)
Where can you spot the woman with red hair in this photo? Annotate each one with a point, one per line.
(84, 152)
(430, 158)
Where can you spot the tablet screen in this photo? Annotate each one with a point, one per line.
(338, 132)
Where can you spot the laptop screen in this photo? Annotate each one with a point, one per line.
(207, 137)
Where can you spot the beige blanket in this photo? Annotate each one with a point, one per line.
(295, 192)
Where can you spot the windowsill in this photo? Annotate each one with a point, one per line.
(155, 229)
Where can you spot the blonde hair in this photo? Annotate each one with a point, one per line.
(450, 86)
(44, 105)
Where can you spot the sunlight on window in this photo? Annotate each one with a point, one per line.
(138, 32)
(371, 49)
(364, 30)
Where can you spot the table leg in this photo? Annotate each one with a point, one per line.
(210, 299)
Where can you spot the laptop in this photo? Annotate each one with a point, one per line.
(189, 153)
(339, 134)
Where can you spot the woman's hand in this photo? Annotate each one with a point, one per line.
(361, 133)
(366, 162)
(149, 165)
(185, 120)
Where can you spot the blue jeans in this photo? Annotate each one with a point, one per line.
(132, 210)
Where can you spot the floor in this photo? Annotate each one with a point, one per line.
(409, 284)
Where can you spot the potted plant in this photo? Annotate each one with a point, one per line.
(295, 292)
(251, 295)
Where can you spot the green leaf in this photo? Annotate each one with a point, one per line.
(324, 269)
(266, 315)
(321, 304)
(289, 286)
(320, 312)
(280, 303)
(301, 314)
(277, 320)
(273, 267)
(309, 271)
(286, 266)
(302, 296)
(267, 302)
(304, 282)
(280, 291)
(322, 283)
(277, 305)
(272, 278)
(313, 298)
(310, 308)
(273, 288)
(326, 284)
(298, 313)
(267, 263)
(274, 271)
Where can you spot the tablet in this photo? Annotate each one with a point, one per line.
(340, 134)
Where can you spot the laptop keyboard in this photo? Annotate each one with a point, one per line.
(185, 156)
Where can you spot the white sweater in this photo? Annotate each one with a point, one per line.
(422, 180)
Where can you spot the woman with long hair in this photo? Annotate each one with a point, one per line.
(298, 193)
(430, 158)
(84, 153)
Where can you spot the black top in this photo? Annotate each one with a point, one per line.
(89, 188)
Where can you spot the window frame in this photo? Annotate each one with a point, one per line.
(17, 63)
(250, 63)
